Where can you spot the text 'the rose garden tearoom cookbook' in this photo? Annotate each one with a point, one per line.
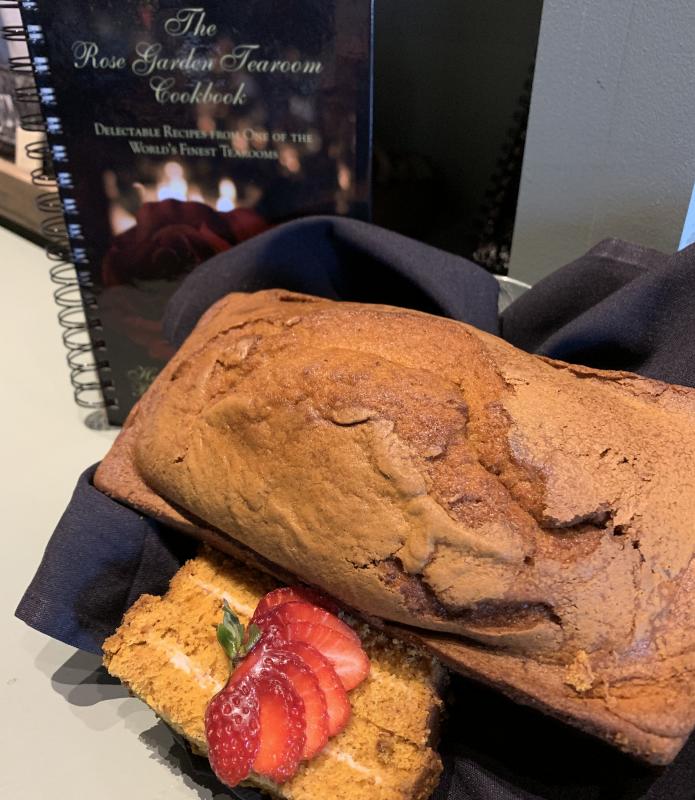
(179, 131)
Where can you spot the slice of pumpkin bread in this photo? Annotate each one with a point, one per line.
(166, 652)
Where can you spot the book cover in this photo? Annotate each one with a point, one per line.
(178, 131)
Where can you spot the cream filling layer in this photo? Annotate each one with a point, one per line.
(346, 758)
(238, 608)
(179, 660)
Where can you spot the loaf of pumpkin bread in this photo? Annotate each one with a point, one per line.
(532, 522)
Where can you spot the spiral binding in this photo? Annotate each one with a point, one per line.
(78, 313)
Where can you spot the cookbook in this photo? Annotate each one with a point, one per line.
(179, 131)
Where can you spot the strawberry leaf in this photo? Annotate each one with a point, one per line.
(230, 633)
(253, 634)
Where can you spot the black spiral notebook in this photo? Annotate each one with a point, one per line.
(177, 131)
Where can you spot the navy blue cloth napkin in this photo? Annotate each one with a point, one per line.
(341, 259)
(617, 307)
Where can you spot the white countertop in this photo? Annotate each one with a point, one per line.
(65, 733)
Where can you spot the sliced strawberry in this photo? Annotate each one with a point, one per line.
(337, 703)
(304, 682)
(346, 657)
(306, 685)
(232, 730)
(290, 594)
(297, 611)
(246, 665)
(288, 692)
(281, 718)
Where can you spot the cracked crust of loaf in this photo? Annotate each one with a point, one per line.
(533, 520)
(167, 653)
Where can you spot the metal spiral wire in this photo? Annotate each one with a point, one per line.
(77, 309)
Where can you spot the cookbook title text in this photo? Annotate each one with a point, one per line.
(207, 71)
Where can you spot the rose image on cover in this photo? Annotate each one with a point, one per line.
(164, 241)
(180, 131)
